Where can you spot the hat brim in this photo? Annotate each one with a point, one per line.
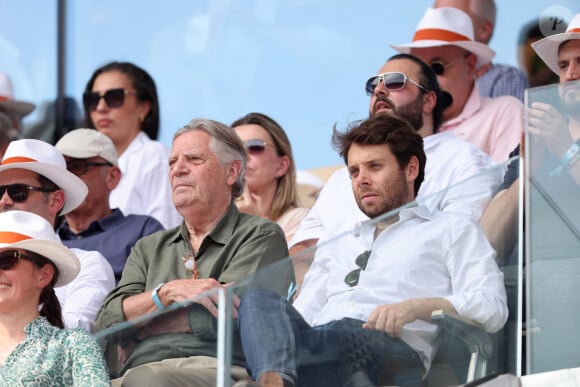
(547, 48)
(75, 190)
(64, 259)
(483, 52)
(19, 107)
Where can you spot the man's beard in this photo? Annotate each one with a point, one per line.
(570, 97)
(412, 112)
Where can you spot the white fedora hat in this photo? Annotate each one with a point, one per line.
(547, 48)
(7, 101)
(44, 159)
(28, 231)
(447, 26)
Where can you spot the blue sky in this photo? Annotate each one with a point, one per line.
(303, 62)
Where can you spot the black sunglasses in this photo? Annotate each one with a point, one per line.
(392, 80)
(114, 98)
(361, 261)
(18, 193)
(79, 166)
(9, 259)
(256, 146)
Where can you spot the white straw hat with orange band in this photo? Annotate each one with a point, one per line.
(44, 159)
(447, 26)
(548, 48)
(28, 231)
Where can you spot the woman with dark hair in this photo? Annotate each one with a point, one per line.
(270, 190)
(120, 100)
(34, 349)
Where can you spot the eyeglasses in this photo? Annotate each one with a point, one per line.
(439, 67)
(393, 81)
(9, 259)
(79, 166)
(114, 98)
(361, 261)
(18, 193)
(256, 146)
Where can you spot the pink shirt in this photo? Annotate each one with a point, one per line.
(493, 124)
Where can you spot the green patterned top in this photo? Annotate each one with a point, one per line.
(50, 356)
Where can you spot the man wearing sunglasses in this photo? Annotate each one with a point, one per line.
(492, 79)
(373, 290)
(93, 225)
(405, 86)
(34, 178)
(444, 40)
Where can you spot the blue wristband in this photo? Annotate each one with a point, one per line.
(155, 296)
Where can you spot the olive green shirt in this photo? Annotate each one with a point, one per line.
(237, 247)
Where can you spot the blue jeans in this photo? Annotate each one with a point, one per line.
(276, 338)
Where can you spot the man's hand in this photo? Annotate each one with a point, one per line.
(181, 290)
(390, 318)
(550, 127)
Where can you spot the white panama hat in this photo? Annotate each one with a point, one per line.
(548, 48)
(44, 159)
(28, 231)
(7, 101)
(447, 26)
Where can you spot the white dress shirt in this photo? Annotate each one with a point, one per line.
(81, 299)
(422, 255)
(144, 187)
(449, 162)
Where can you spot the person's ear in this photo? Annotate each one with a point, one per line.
(283, 166)
(429, 102)
(113, 178)
(471, 61)
(56, 201)
(45, 274)
(412, 170)
(233, 171)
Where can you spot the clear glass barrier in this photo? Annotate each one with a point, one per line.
(320, 353)
(552, 223)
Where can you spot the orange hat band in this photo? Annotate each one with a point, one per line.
(439, 34)
(10, 237)
(17, 159)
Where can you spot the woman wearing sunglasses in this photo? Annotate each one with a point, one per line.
(120, 100)
(270, 190)
(34, 349)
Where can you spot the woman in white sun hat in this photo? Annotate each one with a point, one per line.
(34, 349)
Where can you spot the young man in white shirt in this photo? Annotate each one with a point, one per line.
(382, 282)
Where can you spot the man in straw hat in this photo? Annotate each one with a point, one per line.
(34, 178)
(492, 79)
(93, 225)
(444, 40)
(561, 53)
(15, 109)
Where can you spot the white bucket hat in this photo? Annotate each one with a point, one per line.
(7, 101)
(28, 231)
(44, 159)
(447, 26)
(87, 143)
(547, 48)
